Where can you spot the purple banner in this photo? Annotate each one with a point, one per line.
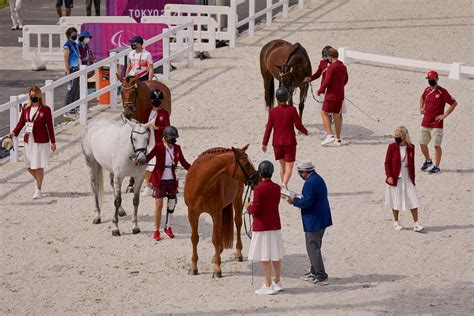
(106, 36)
(139, 8)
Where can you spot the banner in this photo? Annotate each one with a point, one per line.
(106, 36)
(139, 8)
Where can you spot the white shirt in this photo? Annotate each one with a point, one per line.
(139, 61)
(404, 156)
(168, 173)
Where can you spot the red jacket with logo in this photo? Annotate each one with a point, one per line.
(43, 128)
(393, 163)
(334, 81)
(162, 121)
(283, 119)
(159, 151)
(264, 207)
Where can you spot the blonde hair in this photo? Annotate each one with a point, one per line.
(404, 131)
(39, 94)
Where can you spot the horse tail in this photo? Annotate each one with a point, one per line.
(271, 92)
(100, 182)
(227, 227)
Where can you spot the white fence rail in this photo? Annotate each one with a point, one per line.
(112, 61)
(78, 20)
(456, 71)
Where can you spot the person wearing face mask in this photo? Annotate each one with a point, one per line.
(316, 217)
(39, 136)
(400, 194)
(71, 64)
(432, 103)
(87, 56)
(163, 177)
(140, 61)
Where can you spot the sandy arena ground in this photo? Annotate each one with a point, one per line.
(55, 261)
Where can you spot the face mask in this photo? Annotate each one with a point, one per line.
(156, 104)
(432, 82)
(133, 46)
(301, 176)
(34, 99)
(74, 37)
(86, 40)
(398, 140)
(171, 141)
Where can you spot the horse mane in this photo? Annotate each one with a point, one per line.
(216, 151)
(295, 48)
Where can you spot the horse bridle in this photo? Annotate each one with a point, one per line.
(131, 105)
(250, 180)
(136, 151)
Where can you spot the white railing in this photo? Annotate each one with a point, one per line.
(78, 20)
(112, 61)
(456, 71)
(205, 29)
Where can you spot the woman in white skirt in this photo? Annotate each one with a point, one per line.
(400, 171)
(39, 136)
(266, 244)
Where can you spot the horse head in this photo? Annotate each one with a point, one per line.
(139, 139)
(248, 174)
(129, 94)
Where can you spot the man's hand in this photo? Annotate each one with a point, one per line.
(290, 199)
(390, 180)
(264, 148)
(439, 118)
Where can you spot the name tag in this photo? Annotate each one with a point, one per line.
(29, 128)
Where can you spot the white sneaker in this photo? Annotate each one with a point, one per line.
(147, 191)
(329, 139)
(277, 287)
(397, 226)
(264, 290)
(338, 142)
(38, 195)
(418, 227)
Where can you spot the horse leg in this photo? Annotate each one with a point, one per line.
(131, 183)
(238, 224)
(136, 202)
(303, 94)
(121, 210)
(193, 218)
(117, 203)
(269, 85)
(217, 241)
(96, 179)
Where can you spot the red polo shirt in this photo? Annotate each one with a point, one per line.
(435, 101)
(264, 207)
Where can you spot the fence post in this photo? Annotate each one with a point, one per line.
(82, 96)
(190, 41)
(343, 55)
(232, 23)
(113, 81)
(166, 55)
(285, 8)
(13, 120)
(301, 4)
(49, 95)
(252, 19)
(269, 13)
(455, 72)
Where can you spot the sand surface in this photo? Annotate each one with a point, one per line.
(55, 261)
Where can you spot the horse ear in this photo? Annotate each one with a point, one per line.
(234, 150)
(119, 77)
(245, 147)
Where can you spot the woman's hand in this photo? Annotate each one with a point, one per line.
(390, 180)
(53, 147)
(264, 148)
(153, 126)
(247, 205)
(11, 135)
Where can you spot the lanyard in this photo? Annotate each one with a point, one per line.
(139, 60)
(34, 116)
(171, 156)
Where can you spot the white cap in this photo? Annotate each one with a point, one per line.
(305, 166)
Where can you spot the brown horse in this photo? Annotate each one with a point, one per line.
(289, 64)
(214, 184)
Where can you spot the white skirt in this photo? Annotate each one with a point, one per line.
(403, 196)
(266, 246)
(36, 154)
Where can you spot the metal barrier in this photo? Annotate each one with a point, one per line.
(456, 71)
(112, 61)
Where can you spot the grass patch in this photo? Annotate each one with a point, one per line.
(3, 4)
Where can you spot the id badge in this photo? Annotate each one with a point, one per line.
(29, 128)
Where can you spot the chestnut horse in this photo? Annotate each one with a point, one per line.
(214, 184)
(289, 64)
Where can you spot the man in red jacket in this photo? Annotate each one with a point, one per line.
(333, 86)
(283, 119)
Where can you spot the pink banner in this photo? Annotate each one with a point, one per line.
(139, 8)
(106, 36)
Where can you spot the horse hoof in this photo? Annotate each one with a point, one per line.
(239, 258)
(217, 274)
(115, 233)
(193, 272)
(129, 190)
(122, 213)
(96, 221)
(136, 230)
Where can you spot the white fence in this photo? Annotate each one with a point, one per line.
(456, 71)
(112, 61)
(78, 20)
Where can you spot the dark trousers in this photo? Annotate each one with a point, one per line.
(89, 7)
(73, 89)
(314, 242)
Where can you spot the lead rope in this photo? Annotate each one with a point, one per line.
(247, 199)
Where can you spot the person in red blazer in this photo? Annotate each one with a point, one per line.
(163, 177)
(400, 178)
(283, 119)
(266, 244)
(39, 136)
(333, 86)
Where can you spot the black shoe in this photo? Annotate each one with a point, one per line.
(435, 169)
(426, 164)
(321, 282)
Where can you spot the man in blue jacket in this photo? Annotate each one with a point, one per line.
(316, 216)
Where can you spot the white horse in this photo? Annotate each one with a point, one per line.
(111, 146)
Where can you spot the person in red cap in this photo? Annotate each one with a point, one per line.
(432, 103)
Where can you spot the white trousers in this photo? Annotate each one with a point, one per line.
(16, 14)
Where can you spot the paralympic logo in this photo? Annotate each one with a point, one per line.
(117, 39)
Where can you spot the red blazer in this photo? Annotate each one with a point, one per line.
(393, 163)
(334, 81)
(323, 65)
(162, 120)
(159, 151)
(264, 206)
(43, 128)
(283, 119)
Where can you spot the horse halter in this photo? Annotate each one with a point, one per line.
(131, 105)
(136, 151)
(250, 180)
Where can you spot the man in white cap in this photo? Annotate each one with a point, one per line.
(316, 216)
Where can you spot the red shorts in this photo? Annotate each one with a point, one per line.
(166, 188)
(332, 106)
(285, 152)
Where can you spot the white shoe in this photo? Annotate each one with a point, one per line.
(397, 226)
(147, 191)
(265, 290)
(277, 287)
(329, 139)
(338, 142)
(38, 195)
(418, 227)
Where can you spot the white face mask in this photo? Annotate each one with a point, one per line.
(86, 40)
